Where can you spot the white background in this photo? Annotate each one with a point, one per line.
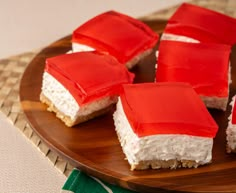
(33, 24)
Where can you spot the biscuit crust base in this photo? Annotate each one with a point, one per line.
(231, 139)
(131, 63)
(157, 164)
(66, 119)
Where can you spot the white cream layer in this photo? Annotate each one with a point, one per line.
(231, 130)
(65, 102)
(167, 36)
(160, 147)
(76, 47)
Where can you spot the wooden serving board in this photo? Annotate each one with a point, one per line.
(94, 148)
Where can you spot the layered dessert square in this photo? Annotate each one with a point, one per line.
(125, 38)
(164, 125)
(81, 86)
(205, 66)
(191, 23)
(231, 129)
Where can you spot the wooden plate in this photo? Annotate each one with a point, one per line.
(94, 148)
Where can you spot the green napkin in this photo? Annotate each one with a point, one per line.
(78, 182)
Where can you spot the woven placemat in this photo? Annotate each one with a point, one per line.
(12, 68)
(11, 71)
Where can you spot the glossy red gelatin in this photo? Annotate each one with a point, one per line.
(202, 24)
(89, 75)
(166, 108)
(234, 113)
(204, 66)
(117, 34)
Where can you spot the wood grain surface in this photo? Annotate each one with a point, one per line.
(94, 148)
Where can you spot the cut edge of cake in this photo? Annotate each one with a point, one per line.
(66, 108)
(181, 38)
(76, 47)
(231, 131)
(176, 144)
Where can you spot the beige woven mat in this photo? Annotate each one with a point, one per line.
(12, 68)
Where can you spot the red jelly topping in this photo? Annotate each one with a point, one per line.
(202, 24)
(234, 113)
(89, 75)
(205, 66)
(117, 34)
(166, 108)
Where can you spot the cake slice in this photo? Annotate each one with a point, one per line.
(125, 38)
(81, 86)
(231, 129)
(192, 23)
(164, 125)
(205, 66)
